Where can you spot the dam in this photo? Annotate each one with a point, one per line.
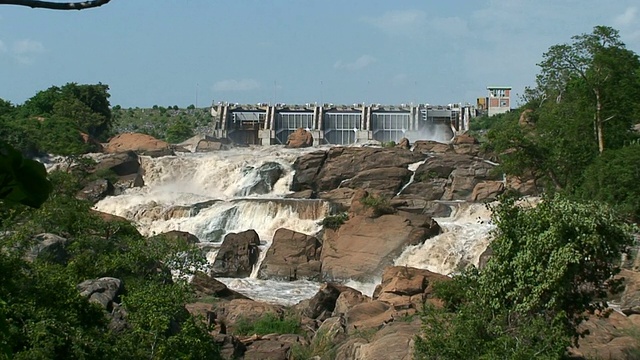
(266, 124)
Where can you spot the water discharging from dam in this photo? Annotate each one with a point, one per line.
(213, 194)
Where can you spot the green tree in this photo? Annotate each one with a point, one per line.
(550, 265)
(586, 97)
(179, 131)
(614, 178)
(608, 73)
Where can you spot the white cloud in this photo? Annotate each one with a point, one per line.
(627, 18)
(360, 63)
(236, 85)
(399, 22)
(25, 51)
(27, 47)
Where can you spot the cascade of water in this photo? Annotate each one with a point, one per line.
(465, 235)
(412, 167)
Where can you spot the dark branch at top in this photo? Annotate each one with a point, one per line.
(56, 5)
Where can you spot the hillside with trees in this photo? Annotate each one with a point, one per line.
(552, 265)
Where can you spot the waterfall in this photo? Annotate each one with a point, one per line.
(465, 235)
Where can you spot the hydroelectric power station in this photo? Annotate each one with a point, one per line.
(266, 124)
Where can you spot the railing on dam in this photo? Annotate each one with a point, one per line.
(338, 125)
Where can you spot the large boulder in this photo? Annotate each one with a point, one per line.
(406, 287)
(292, 256)
(206, 287)
(178, 236)
(121, 163)
(96, 190)
(364, 246)
(395, 341)
(237, 255)
(300, 138)
(141, 144)
(230, 312)
(264, 178)
(323, 303)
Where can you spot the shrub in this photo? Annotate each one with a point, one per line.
(335, 221)
(269, 323)
(379, 204)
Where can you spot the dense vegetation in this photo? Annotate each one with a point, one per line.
(42, 313)
(551, 264)
(54, 120)
(171, 124)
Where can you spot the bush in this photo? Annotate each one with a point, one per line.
(269, 323)
(550, 264)
(379, 204)
(335, 221)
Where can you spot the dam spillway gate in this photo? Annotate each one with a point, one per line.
(264, 124)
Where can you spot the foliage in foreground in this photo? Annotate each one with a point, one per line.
(550, 266)
(43, 316)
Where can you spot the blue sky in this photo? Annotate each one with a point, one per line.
(177, 52)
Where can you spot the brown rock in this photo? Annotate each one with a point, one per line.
(431, 146)
(179, 236)
(121, 164)
(237, 255)
(141, 144)
(362, 247)
(395, 341)
(630, 298)
(96, 191)
(464, 139)
(487, 191)
(610, 337)
(288, 253)
(327, 171)
(404, 144)
(369, 315)
(300, 138)
(406, 287)
(348, 299)
(322, 304)
(206, 286)
(232, 311)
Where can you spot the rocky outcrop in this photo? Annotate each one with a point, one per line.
(103, 291)
(230, 312)
(265, 177)
(178, 236)
(300, 138)
(325, 171)
(121, 164)
(96, 191)
(141, 144)
(206, 286)
(611, 335)
(363, 246)
(292, 256)
(406, 287)
(237, 255)
(454, 177)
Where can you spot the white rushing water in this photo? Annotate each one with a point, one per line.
(208, 195)
(465, 235)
